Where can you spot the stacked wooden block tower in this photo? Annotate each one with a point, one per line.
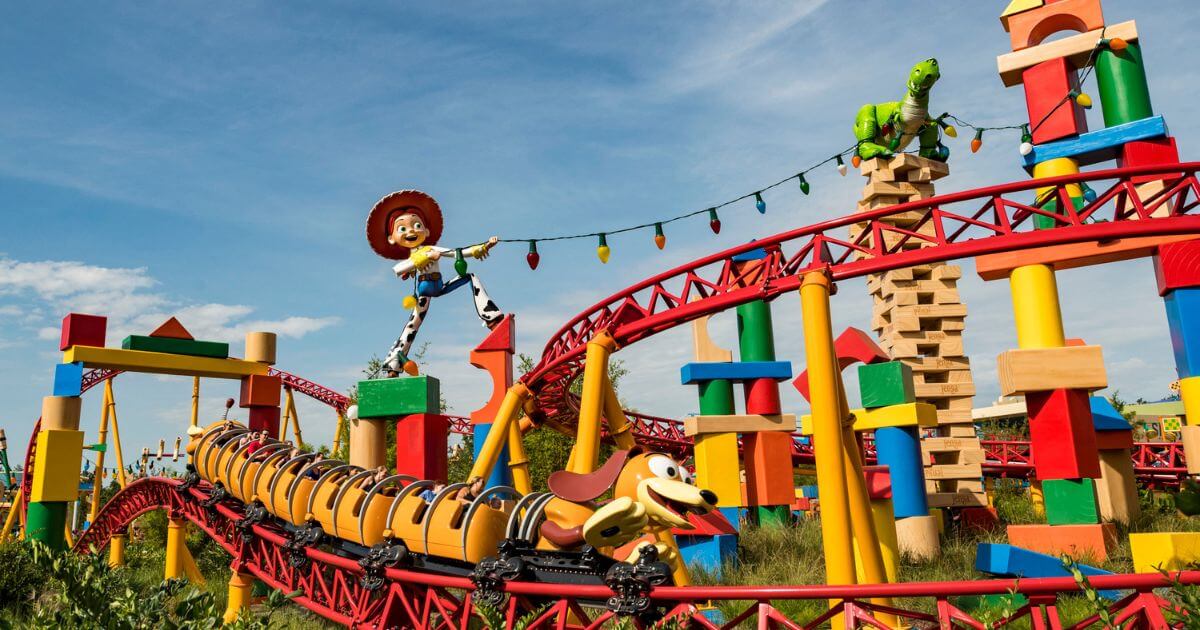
(1076, 452)
(919, 320)
(765, 430)
(891, 411)
(413, 403)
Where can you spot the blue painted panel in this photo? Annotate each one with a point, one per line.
(808, 492)
(1105, 417)
(68, 379)
(500, 474)
(899, 448)
(754, 254)
(733, 515)
(692, 373)
(1183, 320)
(708, 552)
(1008, 561)
(1097, 146)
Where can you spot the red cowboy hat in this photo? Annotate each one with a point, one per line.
(379, 222)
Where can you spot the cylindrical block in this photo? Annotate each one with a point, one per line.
(1190, 436)
(116, 551)
(756, 338)
(762, 397)
(239, 595)
(46, 522)
(176, 548)
(1035, 307)
(899, 448)
(260, 347)
(61, 412)
(1189, 392)
(917, 536)
(1124, 93)
(368, 442)
(1055, 168)
(716, 397)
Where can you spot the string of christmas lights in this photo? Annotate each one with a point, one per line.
(604, 251)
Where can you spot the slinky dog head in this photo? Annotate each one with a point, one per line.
(654, 480)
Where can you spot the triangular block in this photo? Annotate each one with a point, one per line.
(172, 329)
(501, 338)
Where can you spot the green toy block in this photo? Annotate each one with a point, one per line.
(1070, 501)
(774, 515)
(885, 384)
(393, 397)
(171, 345)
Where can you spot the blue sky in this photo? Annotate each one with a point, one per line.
(218, 161)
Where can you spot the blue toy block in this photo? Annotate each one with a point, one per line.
(692, 373)
(754, 254)
(1183, 320)
(500, 473)
(710, 553)
(733, 515)
(1105, 417)
(1008, 561)
(808, 492)
(68, 379)
(1098, 146)
(899, 448)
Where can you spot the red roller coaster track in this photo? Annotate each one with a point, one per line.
(330, 585)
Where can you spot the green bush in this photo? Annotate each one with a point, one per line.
(20, 578)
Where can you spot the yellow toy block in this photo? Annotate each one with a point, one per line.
(1076, 48)
(907, 415)
(57, 483)
(717, 467)
(749, 423)
(1189, 391)
(161, 363)
(61, 412)
(1166, 550)
(1048, 369)
(1018, 6)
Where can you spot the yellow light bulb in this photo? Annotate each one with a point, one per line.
(410, 302)
(1084, 100)
(603, 252)
(951, 131)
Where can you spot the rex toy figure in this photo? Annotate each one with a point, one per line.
(406, 226)
(883, 129)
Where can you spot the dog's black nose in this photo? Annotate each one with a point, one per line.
(709, 496)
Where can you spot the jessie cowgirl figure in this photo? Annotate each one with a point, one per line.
(406, 226)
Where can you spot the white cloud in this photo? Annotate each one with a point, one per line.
(125, 296)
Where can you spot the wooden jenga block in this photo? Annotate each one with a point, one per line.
(1047, 369)
(954, 471)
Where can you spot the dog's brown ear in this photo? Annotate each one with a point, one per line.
(581, 488)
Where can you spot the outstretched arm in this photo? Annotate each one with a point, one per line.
(929, 140)
(866, 129)
(482, 250)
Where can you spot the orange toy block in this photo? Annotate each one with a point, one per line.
(1073, 255)
(768, 460)
(1082, 542)
(172, 329)
(1030, 28)
(260, 390)
(495, 356)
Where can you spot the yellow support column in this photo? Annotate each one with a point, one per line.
(176, 548)
(116, 550)
(591, 403)
(497, 436)
(110, 402)
(98, 479)
(240, 586)
(827, 431)
(618, 425)
(518, 460)
(337, 433)
(295, 416)
(195, 401)
(1035, 307)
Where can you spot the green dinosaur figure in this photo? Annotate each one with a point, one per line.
(886, 128)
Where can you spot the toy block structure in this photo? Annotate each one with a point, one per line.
(495, 356)
(919, 319)
(68, 379)
(1049, 369)
(421, 445)
(385, 400)
(1003, 560)
(765, 432)
(1082, 542)
(173, 345)
(710, 544)
(162, 363)
(1169, 551)
(79, 329)
(1116, 489)
(171, 329)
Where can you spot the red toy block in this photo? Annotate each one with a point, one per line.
(1082, 542)
(1062, 437)
(495, 355)
(879, 482)
(768, 459)
(264, 419)
(762, 397)
(421, 446)
(712, 524)
(852, 346)
(172, 329)
(982, 519)
(260, 390)
(1177, 266)
(83, 330)
(1148, 153)
(1030, 28)
(1046, 85)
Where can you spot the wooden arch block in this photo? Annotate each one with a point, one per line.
(1030, 28)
